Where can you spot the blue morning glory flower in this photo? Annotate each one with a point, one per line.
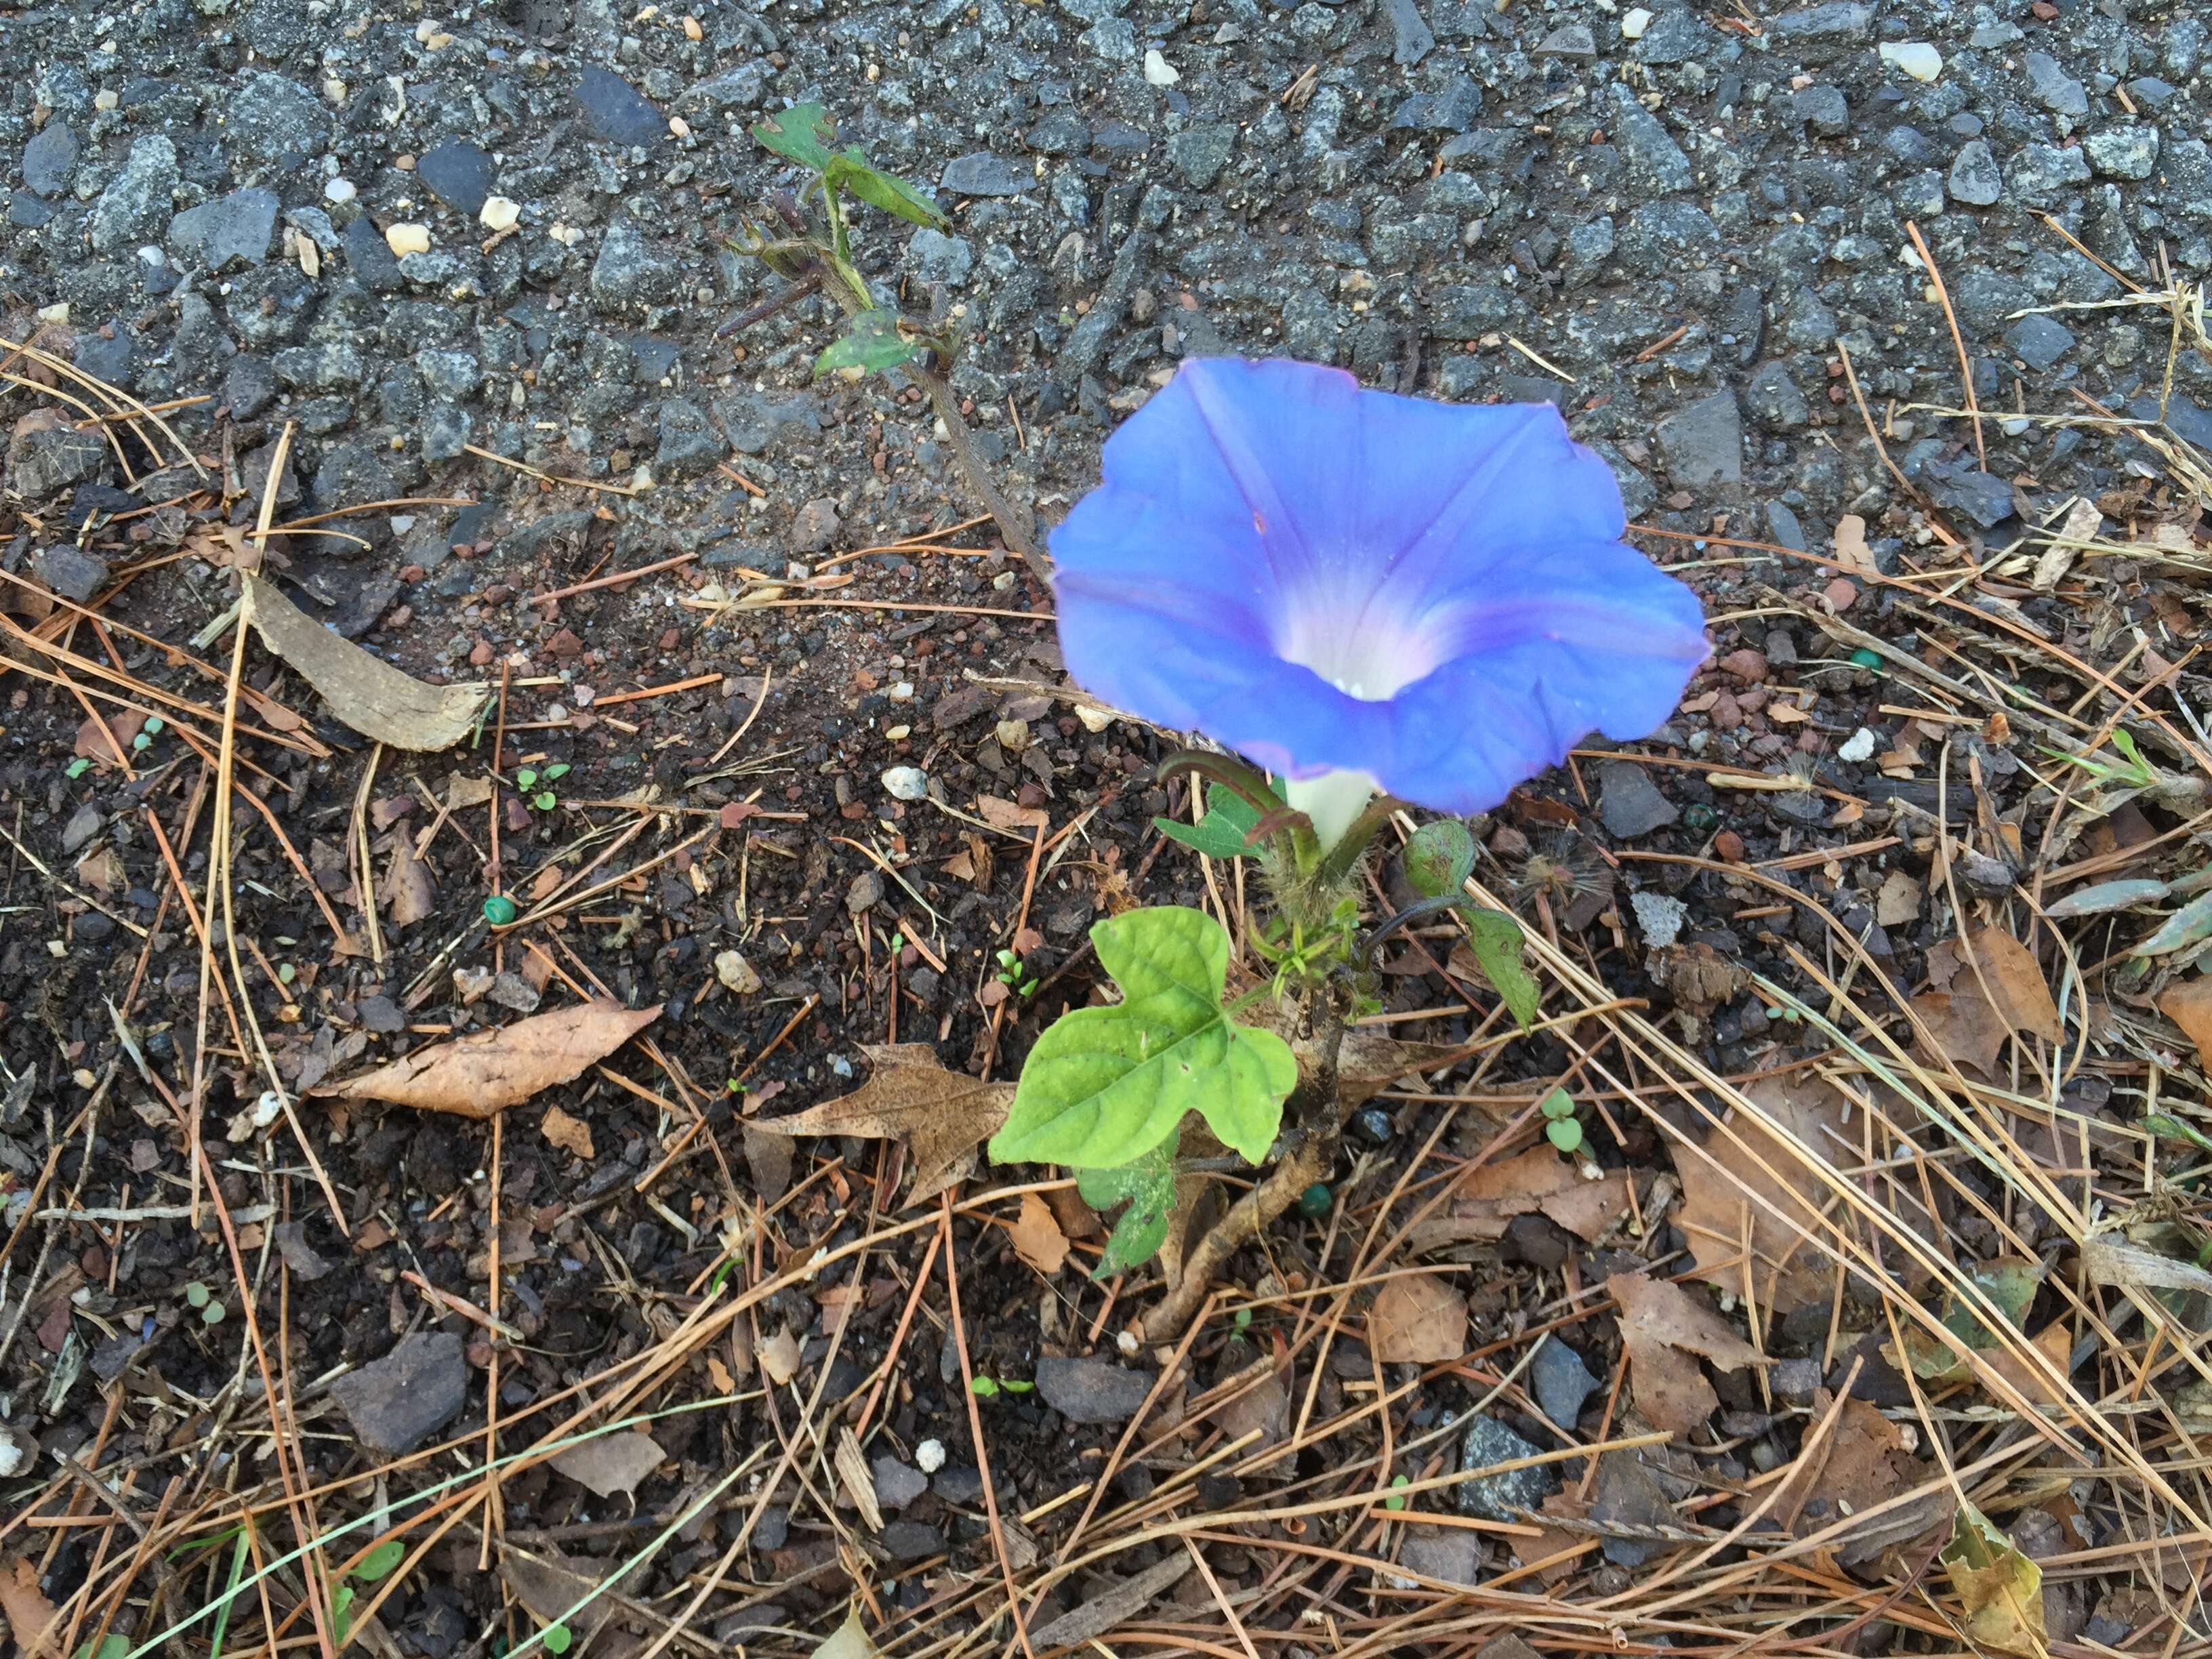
(1351, 588)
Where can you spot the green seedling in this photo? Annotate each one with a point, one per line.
(197, 1296)
(990, 1388)
(378, 1564)
(1561, 1128)
(529, 780)
(1013, 974)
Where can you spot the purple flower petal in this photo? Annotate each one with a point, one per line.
(1324, 578)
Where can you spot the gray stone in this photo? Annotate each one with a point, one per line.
(1985, 298)
(26, 211)
(1774, 400)
(1591, 242)
(1468, 311)
(756, 423)
(448, 373)
(459, 175)
(46, 460)
(1413, 39)
(1629, 803)
(231, 230)
(249, 386)
(83, 824)
(1443, 1555)
(689, 445)
(2054, 89)
(1629, 1497)
(2124, 152)
(1092, 1391)
(1824, 109)
(2187, 178)
(71, 571)
(1509, 1496)
(933, 257)
(629, 273)
(1826, 28)
(1974, 178)
(1114, 38)
(446, 432)
(982, 173)
(1200, 152)
(1560, 1381)
(137, 199)
(815, 525)
(1452, 110)
(1661, 239)
(1568, 40)
(1782, 524)
(375, 265)
(396, 1403)
(617, 112)
(1677, 35)
(1060, 132)
(276, 122)
(742, 88)
(897, 1484)
(1655, 162)
(911, 1541)
(355, 473)
(2038, 341)
(334, 366)
(1985, 499)
(2037, 171)
(1704, 443)
(50, 159)
(108, 355)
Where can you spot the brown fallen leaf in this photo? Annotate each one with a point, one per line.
(1666, 1331)
(1860, 1464)
(1971, 1015)
(779, 1356)
(409, 893)
(943, 1116)
(611, 1465)
(1002, 814)
(1723, 1185)
(30, 1615)
(1898, 900)
(2188, 1004)
(1419, 1321)
(1037, 1237)
(362, 690)
(487, 1071)
(571, 1134)
(1538, 1181)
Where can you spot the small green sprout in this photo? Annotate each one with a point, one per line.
(529, 779)
(1015, 975)
(556, 1638)
(1396, 1500)
(984, 1386)
(1561, 1128)
(76, 769)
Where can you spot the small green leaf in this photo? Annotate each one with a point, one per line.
(527, 779)
(2190, 925)
(212, 1314)
(545, 801)
(197, 1294)
(77, 768)
(873, 342)
(1494, 938)
(1103, 1086)
(1557, 1104)
(848, 171)
(1440, 858)
(2106, 897)
(555, 772)
(140, 743)
(1147, 1186)
(1397, 1500)
(1015, 1385)
(556, 1638)
(154, 725)
(2173, 1128)
(1223, 833)
(379, 1562)
(1564, 1134)
(341, 1614)
(803, 134)
(111, 1646)
(2010, 1283)
(1999, 1588)
(983, 1388)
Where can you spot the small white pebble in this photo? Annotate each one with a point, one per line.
(1859, 746)
(268, 1108)
(1127, 1342)
(907, 783)
(1632, 24)
(1158, 70)
(1914, 57)
(499, 213)
(901, 692)
(339, 192)
(1094, 719)
(929, 1456)
(404, 239)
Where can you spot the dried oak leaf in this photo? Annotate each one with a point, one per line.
(1538, 1180)
(1970, 1014)
(1726, 1188)
(1036, 1236)
(1420, 1321)
(487, 1071)
(30, 1615)
(1859, 1465)
(570, 1134)
(611, 1465)
(2188, 1004)
(943, 1116)
(1666, 1331)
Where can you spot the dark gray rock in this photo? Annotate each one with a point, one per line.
(2123, 152)
(2186, 179)
(1060, 132)
(249, 386)
(1958, 488)
(71, 571)
(1655, 162)
(982, 173)
(1985, 298)
(897, 1484)
(1704, 443)
(1818, 32)
(375, 266)
(1560, 1381)
(1824, 109)
(1507, 1496)
(1661, 239)
(1568, 40)
(275, 122)
(1468, 311)
(1774, 400)
(50, 159)
(630, 273)
(2037, 171)
(757, 422)
(108, 355)
(26, 211)
(451, 374)
(933, 257)
(136, 201)
(446, 432)
(1200, 152)
(2056, 90)
(1974, 178)
(2038, 341)
(47, 460)
(1629, 803)
(742, 88)
(1092, 1391)
(334, 366)
(231, 230)
(459, 175)
(689, 445)
(1452, 110)
(353, 473)
(617, 112)
(1443, 1555)
(1677, 35)
(1412, 38)
(1629, 1497)
(396, 1403)
(911, 1541)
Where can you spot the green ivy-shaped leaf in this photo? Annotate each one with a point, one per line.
(1223, 833)
(2009, 1282)
(873, 342)
(1494, 938)
(1148, 1187)
(849, 171)
(802, 133)
(1103, 1086)
(1440, 858)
